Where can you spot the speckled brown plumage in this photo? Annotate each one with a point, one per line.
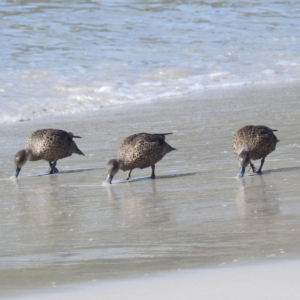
(252, 143)
(51, 144)
(140, 150)
(47, 144)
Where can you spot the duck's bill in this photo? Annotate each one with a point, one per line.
(241, 172)
(109, 178)
(17, 172)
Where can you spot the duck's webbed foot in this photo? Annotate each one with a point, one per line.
(53, 169)
(261, 165)
(129, 177)
(259, 172)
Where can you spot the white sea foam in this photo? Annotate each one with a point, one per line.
(76, 98)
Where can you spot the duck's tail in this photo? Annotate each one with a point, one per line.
(72, 136)
(275, 135)
(78, 151)
(169, 148)
(161, 137)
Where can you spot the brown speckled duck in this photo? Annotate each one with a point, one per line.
(48, 144)
(140, 150)
(251, 143)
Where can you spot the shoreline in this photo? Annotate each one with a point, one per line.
(201, 94)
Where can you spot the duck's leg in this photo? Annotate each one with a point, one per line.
(252, 167)
(153, 172)
(261, 165)
(128, 177)
(50, 164)
(53, 170)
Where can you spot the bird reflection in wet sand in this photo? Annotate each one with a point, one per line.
(256, 198)
(35, 206)
(138, 204)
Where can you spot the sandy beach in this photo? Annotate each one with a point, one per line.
(72, 229)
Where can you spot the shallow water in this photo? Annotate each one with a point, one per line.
(72, 227)
(67, 57)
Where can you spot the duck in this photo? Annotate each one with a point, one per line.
(47, 144)
(141, 150)
(252, 143)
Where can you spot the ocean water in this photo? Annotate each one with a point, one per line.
(67, 57)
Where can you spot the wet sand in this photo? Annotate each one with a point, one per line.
(71, 228)
(275, 281)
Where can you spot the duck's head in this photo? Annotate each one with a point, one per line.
(243, 160)
(20, 160)
(113, 166)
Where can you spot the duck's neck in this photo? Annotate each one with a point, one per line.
(31, 156)
(244, 158)
(121, 164)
